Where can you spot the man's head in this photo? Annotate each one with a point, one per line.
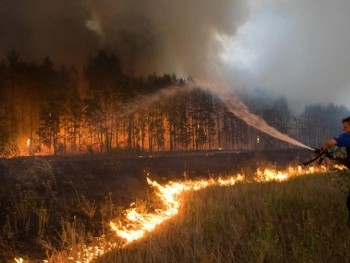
(346, 124)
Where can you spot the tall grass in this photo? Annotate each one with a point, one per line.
(301, 220)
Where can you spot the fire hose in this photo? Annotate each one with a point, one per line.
(320, 157)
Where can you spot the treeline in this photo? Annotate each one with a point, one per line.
(49, 110)
(312, 127)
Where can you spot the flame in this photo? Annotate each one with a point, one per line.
(136, 224)
(139, 224)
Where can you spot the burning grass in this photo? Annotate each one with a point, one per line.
(301, 220)
(262, 218)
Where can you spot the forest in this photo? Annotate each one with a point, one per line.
(46, 110)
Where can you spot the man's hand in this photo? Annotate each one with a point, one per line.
(318, 151)
(329, 154)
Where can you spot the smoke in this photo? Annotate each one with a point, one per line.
(39, 28)
(160, 36)
(297, 49)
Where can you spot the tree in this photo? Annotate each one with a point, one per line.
(106, 82)
(54, 85)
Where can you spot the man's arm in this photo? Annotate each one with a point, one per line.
(328, 144)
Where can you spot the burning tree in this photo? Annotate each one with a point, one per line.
(57, 112)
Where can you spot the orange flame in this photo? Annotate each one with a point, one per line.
(136, 224)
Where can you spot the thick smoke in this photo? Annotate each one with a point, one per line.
(148, 36)
(37, 28)
(299, 49)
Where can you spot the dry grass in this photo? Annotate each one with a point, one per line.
(302, 220)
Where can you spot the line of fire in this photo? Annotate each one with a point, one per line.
(92, 143)
(174, 131)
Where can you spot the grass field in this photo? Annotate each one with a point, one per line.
(300, 220)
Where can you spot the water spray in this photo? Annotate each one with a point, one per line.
(159, 97)
(237, 107)
(224, 93)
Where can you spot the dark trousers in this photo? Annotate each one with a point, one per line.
(348, 205)
(346, 162)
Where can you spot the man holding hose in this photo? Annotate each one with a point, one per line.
(342, 140)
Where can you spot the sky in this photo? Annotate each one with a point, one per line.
(298, 49)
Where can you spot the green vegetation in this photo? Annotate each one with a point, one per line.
(301, 220)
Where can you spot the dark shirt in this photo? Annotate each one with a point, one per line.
(343, 140)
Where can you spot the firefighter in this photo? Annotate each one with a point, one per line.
(343, 140)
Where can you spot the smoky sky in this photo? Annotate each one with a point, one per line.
(162, 36)
(297, 49)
